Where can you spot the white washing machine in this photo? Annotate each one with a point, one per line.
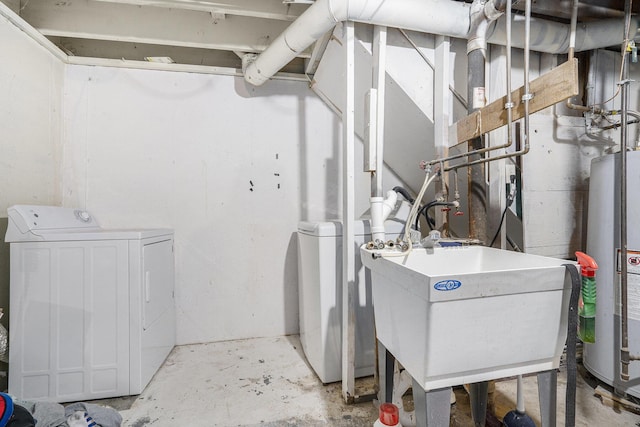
(92, 310)
(320, 297)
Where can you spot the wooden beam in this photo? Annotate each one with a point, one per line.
(183, 68)
(616, 402)
(84, 19)
(548, 89)
(269, 9)
(10, 16)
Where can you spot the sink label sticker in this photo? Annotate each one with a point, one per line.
(447, 285)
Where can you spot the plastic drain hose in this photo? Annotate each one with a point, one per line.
(572, 334)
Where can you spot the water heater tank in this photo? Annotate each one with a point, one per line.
(602, 358)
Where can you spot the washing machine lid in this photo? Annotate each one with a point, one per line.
(102, 234)
(328, 228)
(53, 223)
(334, 228)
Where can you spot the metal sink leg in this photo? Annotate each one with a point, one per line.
(433, 407)
(547, 391)
(386, 362)
(478, 394)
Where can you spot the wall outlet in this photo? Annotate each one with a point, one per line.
(511, 180)
(510, 171)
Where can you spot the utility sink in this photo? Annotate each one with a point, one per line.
(458, 315)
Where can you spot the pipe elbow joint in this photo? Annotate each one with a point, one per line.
(389, 203)
(494, 9)
(247, 60)
(478, 24)
(482, 14)
(252, 74)
(380, 210)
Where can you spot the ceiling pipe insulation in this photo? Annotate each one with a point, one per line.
(444, 17)
(555, 37)
(441, 17)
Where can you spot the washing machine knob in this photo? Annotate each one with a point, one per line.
(83, 216)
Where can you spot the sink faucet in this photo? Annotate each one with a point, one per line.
(431, 240)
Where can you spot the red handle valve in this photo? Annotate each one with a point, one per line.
(459, 213)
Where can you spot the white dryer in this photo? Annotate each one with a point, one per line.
(92, 310)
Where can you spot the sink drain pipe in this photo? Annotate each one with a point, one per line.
(481, 15)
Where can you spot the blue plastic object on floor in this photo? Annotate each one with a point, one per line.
(517, 419)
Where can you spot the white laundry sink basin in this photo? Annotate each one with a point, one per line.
(461, 315)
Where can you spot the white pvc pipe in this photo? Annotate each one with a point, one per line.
(444, 17)
(380, 210)
(348, 222)
(378, 204)
(378, 78)
(441, 17)
(520, 395)
(555, 37)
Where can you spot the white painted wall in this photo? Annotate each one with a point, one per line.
(232, 168)
(31, 81)
(555, 172)
(409, 134)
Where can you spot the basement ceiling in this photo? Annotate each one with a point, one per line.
(195, 32)
(204, 32)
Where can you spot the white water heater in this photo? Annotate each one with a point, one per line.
(602, 358)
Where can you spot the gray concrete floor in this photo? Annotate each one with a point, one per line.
(267, 382)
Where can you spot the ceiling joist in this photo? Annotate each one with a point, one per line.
(268, 9)
(102, 20)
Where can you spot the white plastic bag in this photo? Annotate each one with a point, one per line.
(4, 345)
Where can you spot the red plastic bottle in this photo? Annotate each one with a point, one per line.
(388, 416)
(587, 302)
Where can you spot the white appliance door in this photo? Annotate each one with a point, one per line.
(69, 320)
(158, 310)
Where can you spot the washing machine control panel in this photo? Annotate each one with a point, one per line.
(31, 218)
